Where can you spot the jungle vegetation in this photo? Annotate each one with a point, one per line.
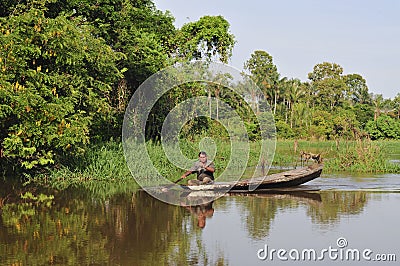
(68, 69)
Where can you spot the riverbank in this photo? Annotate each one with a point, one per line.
(103, 168)
(343, 155)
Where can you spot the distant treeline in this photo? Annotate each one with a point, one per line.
(329, 106)
(68, 69)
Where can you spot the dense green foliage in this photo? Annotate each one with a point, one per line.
(68, 69)
(55, 78)
(330, 106)
(384, 127)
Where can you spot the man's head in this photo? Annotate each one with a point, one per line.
(203, 156)
(201, 220)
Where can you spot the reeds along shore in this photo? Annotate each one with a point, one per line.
(352, 156)
(105, 162)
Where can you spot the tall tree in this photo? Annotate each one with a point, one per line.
(330, 88)
(294, 92)
(358, 89)
(396, 102)
(207, 38)
(325, 70)
(377, 100)
(135, 28)
(264, 73)
(55, 80)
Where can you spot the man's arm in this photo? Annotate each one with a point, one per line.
(210, 167)
(192, 170)
(188, 172)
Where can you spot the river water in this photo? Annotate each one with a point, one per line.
(334, 219)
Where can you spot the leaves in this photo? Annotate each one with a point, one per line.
(51, 89)
(68, 68)
(208, 38)
(384, 127)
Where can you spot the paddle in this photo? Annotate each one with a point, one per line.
(177, 181)
(180, 178)
(166, 187)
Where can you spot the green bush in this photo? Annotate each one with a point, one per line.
(283, 130)
(55, 76)
(384, 127)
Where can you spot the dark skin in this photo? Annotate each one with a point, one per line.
(203, 160)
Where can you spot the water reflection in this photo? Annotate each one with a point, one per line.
(336, 204)
(258, 211)
(136, 229)
(201, 212)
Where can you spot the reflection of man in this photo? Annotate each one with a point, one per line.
(205, 171)
(202, 212)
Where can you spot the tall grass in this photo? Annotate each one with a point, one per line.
(363, 156)
(352, 156)
(221, 155)
(103, 169)
(100, 164)
(104, 164)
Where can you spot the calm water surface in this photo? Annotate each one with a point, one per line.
(361, 212)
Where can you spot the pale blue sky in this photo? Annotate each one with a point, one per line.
(363, 36)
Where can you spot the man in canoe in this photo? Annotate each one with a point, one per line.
(204, 169)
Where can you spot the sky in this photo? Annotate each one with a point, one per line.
(362, 36)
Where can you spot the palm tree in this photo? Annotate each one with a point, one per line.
(377, 100)
(294, 92)
(396, 102)
(277, 87)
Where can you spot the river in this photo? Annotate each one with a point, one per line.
(335, 219)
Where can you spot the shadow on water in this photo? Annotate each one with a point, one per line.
(136, 229)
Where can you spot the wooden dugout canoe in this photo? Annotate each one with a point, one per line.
(285, 179)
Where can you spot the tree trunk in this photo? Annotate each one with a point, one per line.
(209, 101)
(291, 116)
(217, 97)
(287, 110)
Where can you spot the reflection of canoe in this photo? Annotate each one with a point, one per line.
(306, 195)
(280, 180)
